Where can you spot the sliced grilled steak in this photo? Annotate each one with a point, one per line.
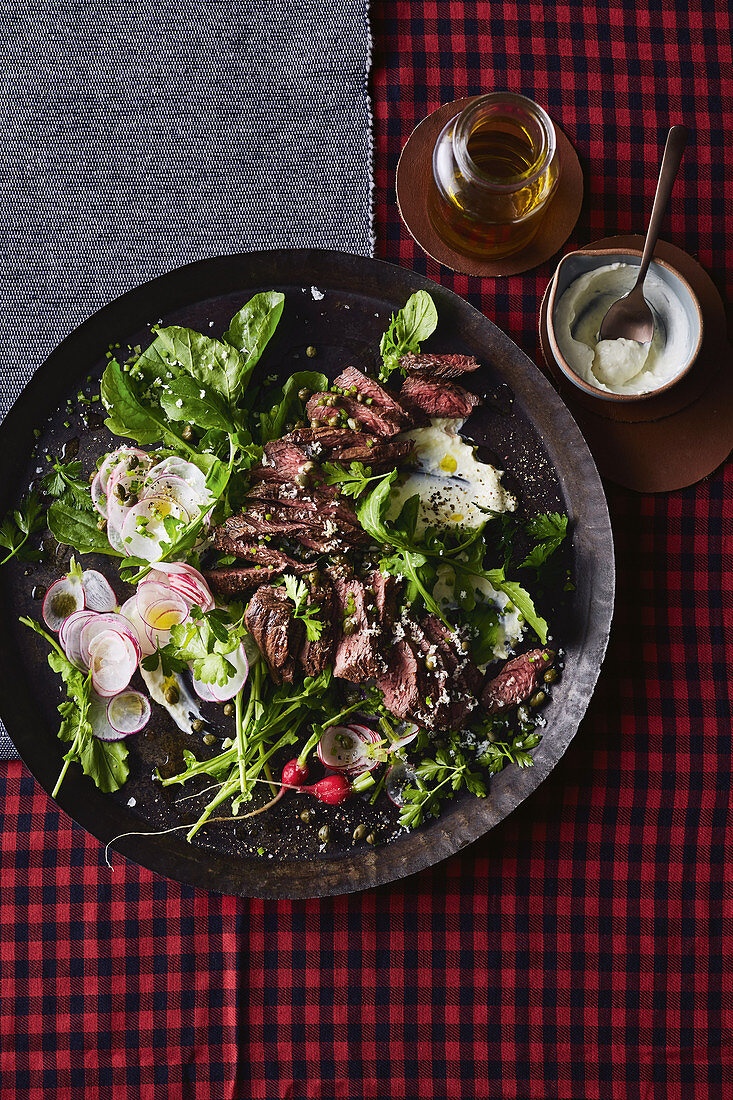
(518, 680)
(385, 588)
(357, 656)
(370, 417)
(353, 380)
(233, 538)
(438, 398)
(270, 620)
(234, 580)
(320, 499)
(387, 452)
(318, 654)
(401, 683)
(285, 457)
(323, 441)
(439, 368)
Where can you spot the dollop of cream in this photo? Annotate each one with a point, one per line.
(621, 366)
(455, 489)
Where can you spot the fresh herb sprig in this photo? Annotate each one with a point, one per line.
(436, 779)
(18, 526)
(298, 592)
(352, 482)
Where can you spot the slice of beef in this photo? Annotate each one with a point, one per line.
(235, 580)
(385, 453)
(285, 457)
(232, 538)
(270, 620)
(372, 418)
(357, 656)
(401, 682)
(439, 368)
(323, 441)
(352, 381)
(320, 499)
(518, 680)
(438, 398)
(385, 589)
(317, 654)
(464, 678)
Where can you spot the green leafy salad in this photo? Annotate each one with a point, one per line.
(317, 579)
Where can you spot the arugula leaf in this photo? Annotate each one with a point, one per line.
(76, 528)
(187, 398)
(252, 327)
(353, 482)
(272, 424)
(484, 622)
(17, 527)
(522, 600)
(103, 761)
(548, 533)
(415, 322)
(373, 508)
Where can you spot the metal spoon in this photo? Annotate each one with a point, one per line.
(630, 318)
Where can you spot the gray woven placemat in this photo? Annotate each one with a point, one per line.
(138, 136)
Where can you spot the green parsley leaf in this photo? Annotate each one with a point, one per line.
(548, 533)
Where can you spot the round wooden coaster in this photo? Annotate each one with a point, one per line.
(415, 178)
(673, 440)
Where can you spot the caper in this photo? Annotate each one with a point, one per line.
(208, 739)
(313, 577)
(305, 816)
(187, 431)
(360, 831)
(308, 467)
(301, 479)
(348, 628)
(101, 524)
(353, 424)
(120, 491)
(92, 475)
(133, 462)
(537, 699)
(304, 394)
(333, 421)
(132, 498)
(311, 352)
(465, 647)
(300, 423)
(229, 709)
(550, 676)
(315, 423)
(324, 834)
(431, 661)
(197, 725)
(360, 398)
(523, 714)
(172, 694)
(330, 401)
(371, 838)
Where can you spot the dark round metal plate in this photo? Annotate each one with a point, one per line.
(341, 304)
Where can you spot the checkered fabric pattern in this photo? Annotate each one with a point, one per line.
(582, 949)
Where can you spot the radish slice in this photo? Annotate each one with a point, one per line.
(344, 748)
(64, 597)
(175, 489)
(128, 712)
(185, 581)
(98, 593)
(203, 691)
(99, 497)
(113, 658)
(70, 637)
(130, 612)
(143, 528)
(114, 458)
(97, 715)
(398, 777)
(223, 692)
(159, 607)
(187, 471)
(109, 620)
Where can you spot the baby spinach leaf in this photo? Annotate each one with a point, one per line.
(272, 424)
(73, 527)
(218, 365)
(252, 327)
(130, 415)
(189, 399)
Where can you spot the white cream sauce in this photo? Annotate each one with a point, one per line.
(453, 486)
(620, 366)
(185, 710)
(511, 621)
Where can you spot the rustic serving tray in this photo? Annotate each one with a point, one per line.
(340, 304)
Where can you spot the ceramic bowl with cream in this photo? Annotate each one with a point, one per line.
(585, 285)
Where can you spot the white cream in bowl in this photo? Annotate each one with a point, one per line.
(621, 366)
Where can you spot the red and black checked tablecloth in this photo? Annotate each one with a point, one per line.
(582, 949)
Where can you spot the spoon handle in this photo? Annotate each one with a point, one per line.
(673, 150)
